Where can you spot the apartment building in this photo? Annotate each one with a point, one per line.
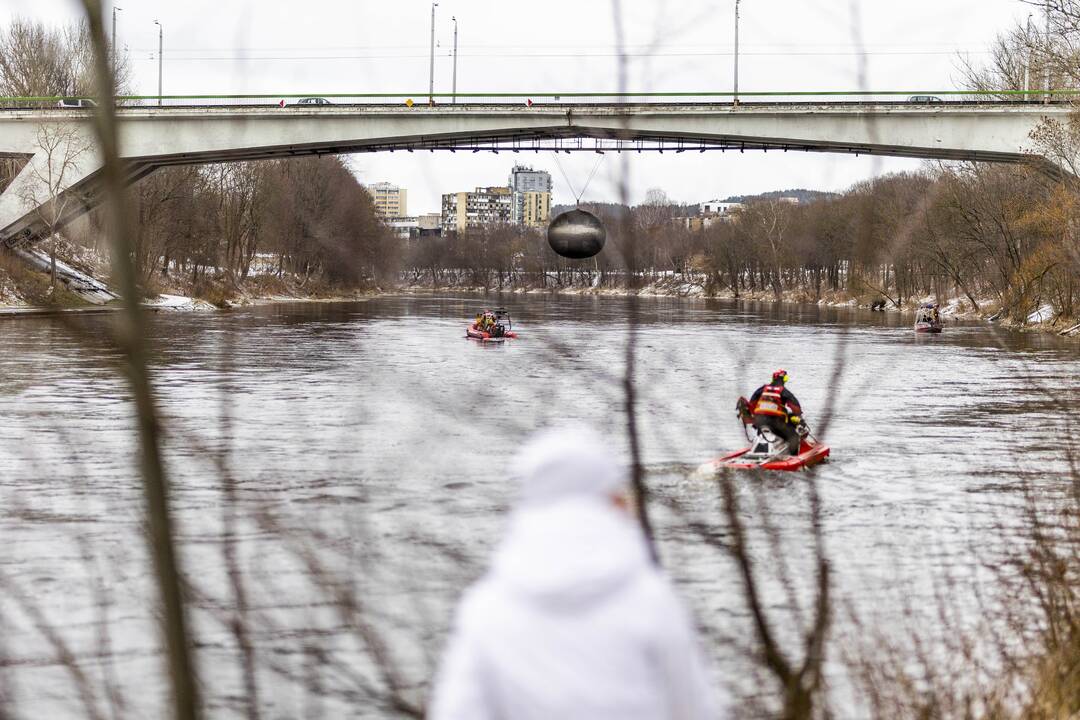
(535, 208)
(484, 206)
(391, 201)
(523, 179)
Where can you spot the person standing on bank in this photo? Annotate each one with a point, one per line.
(572, 620)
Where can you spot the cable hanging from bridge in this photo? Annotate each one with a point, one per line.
(577, 195)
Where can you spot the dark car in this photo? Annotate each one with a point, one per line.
(924, 99)
(313, 101)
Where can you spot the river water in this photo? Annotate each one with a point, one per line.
(357, 451)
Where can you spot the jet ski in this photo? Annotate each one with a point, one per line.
(769, 452)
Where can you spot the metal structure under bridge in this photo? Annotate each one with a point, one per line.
(58, 142)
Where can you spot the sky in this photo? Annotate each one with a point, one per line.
(317, 47)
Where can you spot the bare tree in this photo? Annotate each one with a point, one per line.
(38, 61)
(54, 167)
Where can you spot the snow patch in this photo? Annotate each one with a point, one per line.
(177, 303)
(1043, 314)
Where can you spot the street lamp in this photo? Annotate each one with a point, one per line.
(160, 57)
(114, 45)
(1027, 61)
(735, 93)
(431, 71)
(453, 89)
(1046, 51)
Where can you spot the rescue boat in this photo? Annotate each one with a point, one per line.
(928, 319)
(769, 452)
(498, 333)
(476, 333)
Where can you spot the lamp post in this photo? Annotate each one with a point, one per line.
(453, 89)
(1046, 51)
(114, 45)
(735, 93)
(1027, 61)
(431, 69)
(160, 57)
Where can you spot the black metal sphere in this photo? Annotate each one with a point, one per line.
(576, 234)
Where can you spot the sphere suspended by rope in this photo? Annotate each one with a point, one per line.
(576, 234)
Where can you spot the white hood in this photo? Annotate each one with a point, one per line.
(570, 553)
(568, 461)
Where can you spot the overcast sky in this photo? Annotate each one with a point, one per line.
(325, 46)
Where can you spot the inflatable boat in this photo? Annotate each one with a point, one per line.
(928, 319)
(476, 333)
(498, 332)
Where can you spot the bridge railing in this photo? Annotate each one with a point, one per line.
(315, 100)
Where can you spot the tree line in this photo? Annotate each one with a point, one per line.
(990, 234)
(302, 220)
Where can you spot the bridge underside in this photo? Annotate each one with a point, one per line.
(160, 138)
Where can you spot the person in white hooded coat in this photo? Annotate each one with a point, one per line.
(573, 620)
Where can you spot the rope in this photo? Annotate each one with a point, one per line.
(577, 195)
(595, 167)
(558, 164)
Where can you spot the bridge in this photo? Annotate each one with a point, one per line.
(60, 178)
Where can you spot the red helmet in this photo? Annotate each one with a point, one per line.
(780, 376)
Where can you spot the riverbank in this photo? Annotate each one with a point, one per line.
(24, 292)
(27, 291)
(952, 308)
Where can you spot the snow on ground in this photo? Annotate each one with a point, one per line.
(1043, 314)
(177, 303)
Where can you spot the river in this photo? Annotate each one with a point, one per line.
(360, 448)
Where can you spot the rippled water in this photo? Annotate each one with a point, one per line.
(366, 443)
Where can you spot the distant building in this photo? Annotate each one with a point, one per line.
(535, 208)
(429, 224)
(403, 227)
(484, 206)
(524, 179)
(391, 201)
(718, 208)
(411, 228)
(696, 223)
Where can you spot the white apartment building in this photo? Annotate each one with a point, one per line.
(484, 206)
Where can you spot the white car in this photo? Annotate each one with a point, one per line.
(76, 103)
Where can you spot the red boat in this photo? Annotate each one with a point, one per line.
(477, 334)
(928, 319)
(768, 451)
(771, 454)
(496, 331)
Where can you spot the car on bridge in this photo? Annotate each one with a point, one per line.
(924, 99)
(76, 103)
(313, 101)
